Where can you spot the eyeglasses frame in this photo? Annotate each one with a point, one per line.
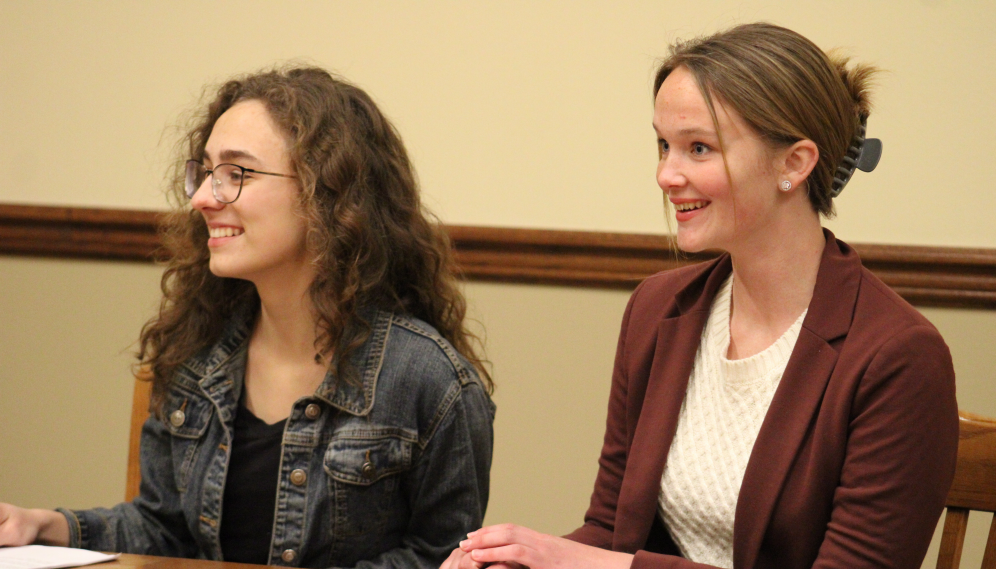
(210, 173)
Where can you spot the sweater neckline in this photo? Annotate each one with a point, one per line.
(752, 368)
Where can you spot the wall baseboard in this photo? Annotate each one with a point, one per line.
(924, 276)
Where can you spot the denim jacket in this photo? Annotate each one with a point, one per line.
(390, 471)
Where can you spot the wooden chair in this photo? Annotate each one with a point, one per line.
(139, 413)
(974, 488)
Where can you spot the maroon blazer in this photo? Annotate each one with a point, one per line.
(854, 458)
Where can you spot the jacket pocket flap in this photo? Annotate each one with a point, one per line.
(187, 415)
(363, 459)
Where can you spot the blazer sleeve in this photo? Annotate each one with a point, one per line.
(599, 520)
(898, 465)
(900, 458)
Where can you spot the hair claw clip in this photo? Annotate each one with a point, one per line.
(863, 154)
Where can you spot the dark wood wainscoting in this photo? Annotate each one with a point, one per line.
(925, 276)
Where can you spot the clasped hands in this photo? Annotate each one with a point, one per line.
(508, 546)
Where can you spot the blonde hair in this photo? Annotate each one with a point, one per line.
(785, 87)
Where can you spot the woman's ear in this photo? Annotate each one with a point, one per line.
(798, 161)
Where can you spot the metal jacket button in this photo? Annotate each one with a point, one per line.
(177, 418)
(368, 470)
(298, 477)
(288, 555)
(312, 411)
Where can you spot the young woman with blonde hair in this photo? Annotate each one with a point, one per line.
(779, 407)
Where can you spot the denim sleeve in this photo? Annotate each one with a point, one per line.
(448, 485)
(151, 524)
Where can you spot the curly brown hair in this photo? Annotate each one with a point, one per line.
(376, 245)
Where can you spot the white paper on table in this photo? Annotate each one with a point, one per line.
(46, 557)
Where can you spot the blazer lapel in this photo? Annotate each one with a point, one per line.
(797, 399)
(678, 338)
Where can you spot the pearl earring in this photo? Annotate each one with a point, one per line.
(786, 186)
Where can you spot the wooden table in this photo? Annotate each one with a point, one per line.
(128, 560)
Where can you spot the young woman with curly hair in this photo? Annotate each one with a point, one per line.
(317, 400)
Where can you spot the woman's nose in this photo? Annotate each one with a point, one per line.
(204, 198)
(669, 173)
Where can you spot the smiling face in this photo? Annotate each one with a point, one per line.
(261, 236)
(718, 204)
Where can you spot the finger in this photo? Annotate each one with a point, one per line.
(458, 559)
(467, 562)
(11, 536)
(496, 536)
(503, 554)
(492, 529)
(452, 560)
(9, 533)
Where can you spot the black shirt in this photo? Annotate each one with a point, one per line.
(251, 489)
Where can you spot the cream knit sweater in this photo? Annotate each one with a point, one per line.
(720, 417)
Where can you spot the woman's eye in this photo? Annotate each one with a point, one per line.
(662, 146)
(699, 149)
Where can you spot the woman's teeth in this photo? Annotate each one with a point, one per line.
(689, 206)
(224, 231)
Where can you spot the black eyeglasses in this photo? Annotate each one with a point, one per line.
(226, 179)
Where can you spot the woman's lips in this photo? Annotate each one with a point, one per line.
(687, 210)
(225, 231)
(221, 235)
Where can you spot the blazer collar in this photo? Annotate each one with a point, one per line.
(797, 399)
(698, 294)
(836, 293)
(678, 336)
(800, 390)
(831, 308)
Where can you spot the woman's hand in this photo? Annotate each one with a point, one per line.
(459, 559)
(19, 526)
(511, 546)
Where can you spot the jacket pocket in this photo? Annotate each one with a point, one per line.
(187, 417)
(363, 470)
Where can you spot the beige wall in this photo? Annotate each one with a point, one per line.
(516, 114)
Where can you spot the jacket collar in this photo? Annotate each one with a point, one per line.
(835, 296)
(796, 399)
(698, 294)
(357, 396)
(798, 396)
(221, 368)
(836, 288)
(230, 344)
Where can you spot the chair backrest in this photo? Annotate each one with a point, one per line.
(139, 413)
(974, 488)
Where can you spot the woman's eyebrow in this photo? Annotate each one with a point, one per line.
(228, 154)
(691, 132)
(696, 131)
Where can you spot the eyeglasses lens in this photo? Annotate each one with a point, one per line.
(227, 180)
(195, 177)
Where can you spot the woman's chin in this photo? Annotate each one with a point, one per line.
(222, 269)
(689, 244)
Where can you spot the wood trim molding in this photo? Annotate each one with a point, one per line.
(925, 276)
(78, 232)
